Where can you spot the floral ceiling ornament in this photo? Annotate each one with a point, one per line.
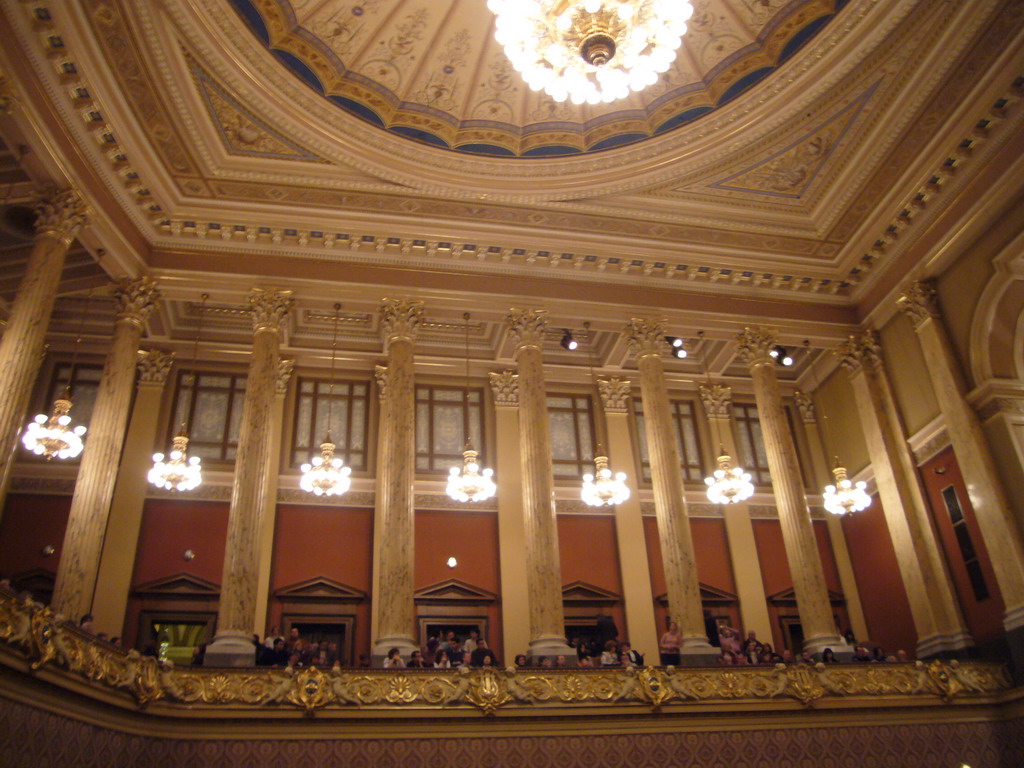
(590, 51)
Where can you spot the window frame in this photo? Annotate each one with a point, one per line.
(441, 463)
(342, 450)
(234, 392)
(584, 463)
(687, 464)
(761, 475)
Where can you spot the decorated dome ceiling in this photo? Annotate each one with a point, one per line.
(431, 71)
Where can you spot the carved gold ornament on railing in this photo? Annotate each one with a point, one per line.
(33, 637)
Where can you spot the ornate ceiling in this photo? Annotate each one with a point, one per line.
(799, 162)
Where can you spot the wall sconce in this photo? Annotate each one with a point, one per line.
(48, 550)
(452, 562)
(189, 555)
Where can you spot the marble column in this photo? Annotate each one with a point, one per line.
(638, 597)
(746, 567)
(543, 569)
(94, 489)
(515, 597)
(988, 497)
(396, 476)
(937, 619)
(822, 472)
(284, 375)
(646, 338)
(60, 214)
(117, 560)
(232, 645)
(754, 345)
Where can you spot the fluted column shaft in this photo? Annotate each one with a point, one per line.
(794, 514)
(395, 610)
(543, 569)
(647, 339)
(995, 517)
(60, 215)
(237, 613)
(97, 474)
(933, 606)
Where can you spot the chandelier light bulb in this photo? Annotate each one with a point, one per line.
(326, 475)
(469, 482)
(603, 488)
(177, 471)
(590, 51)
(845, 496)
(53, 436)
(728, 484)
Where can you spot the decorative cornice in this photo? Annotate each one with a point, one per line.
(136, 299)
(505, 388)
(754, 345)
(400, 319)
(527, 327)
(205, 492)
(716, 399)
(646, 338)
(285, 369)
(441, 501)
(1008, 405)
(361, 499)
(57, 486)
(805, 404)
(920, 302)
(269, 308)
(154, 366)
(61, 213)
(615, 394)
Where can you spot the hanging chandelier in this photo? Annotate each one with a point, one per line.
(845, 496)
(728, 484)
(590, 51)
(53, 436)
(469, 482)
(326, 475)
(178, 471)
(603, 489)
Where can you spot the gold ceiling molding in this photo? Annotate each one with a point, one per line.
(456, 255)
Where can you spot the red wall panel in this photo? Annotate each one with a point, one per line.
(589, 552)
(882, 595)
(323, 541)
(472, 539)
(31, 522)
(983, 617)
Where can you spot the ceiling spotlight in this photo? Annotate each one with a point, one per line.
(779, 353)
(678, 346)
(568, 341)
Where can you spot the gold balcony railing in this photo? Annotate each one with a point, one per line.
(34, 639)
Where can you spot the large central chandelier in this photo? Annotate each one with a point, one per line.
(604, 489)
(177, 471)
(469, 482)
(325, 474)
(845, 496)
(590, 51)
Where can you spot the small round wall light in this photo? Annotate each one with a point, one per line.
(452, 562)
(48, 550)
(189, 555)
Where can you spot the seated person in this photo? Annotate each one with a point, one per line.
(477, 656)
(394, 660)
(416, 660)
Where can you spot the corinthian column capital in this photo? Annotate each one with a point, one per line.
(61, 213)
(269, 308)
(400, 319)
(646, 337)
(154, 365)
(527, 327)
(380, 373)
(755, 344)
(805, 404)
(285, 369)
(615, 394)
(920, 302)
(505, 387)
(135, 299)
(859, 352)
(716, 399)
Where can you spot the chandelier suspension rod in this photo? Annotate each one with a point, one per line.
(187, 423)
(707, 374)
(829, 444)
(74, 353)
(330, 385)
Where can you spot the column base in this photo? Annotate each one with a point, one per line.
(230, 650)
(698, 652)
(553, 647)
(945, 646)
(405, 645)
